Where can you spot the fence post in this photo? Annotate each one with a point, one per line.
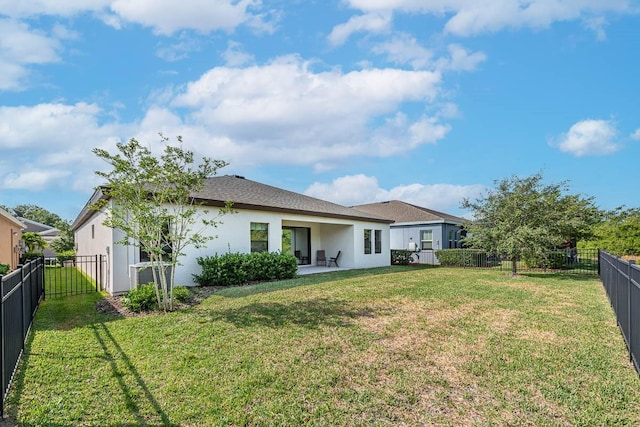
(630, 284)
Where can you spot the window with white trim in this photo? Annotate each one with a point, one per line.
(426, 240)
(378, 241)
(367, 241)
(259, 237)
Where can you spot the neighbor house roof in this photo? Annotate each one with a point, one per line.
(247, 194)
(38, 227)
(11, 218)
(402, 212)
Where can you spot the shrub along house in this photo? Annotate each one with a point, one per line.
(265, 218)
(10, 236)
(418, 229)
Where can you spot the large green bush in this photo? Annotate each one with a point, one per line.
(401, 257)
(66, 256)
(553, 260)
(4, 268)
(236, 268)
(463, 258)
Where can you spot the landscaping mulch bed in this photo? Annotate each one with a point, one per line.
(113, 304)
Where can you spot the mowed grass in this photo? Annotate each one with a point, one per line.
(371, 348)
(62, 281)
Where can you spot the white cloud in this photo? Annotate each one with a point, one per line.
(20, 47)
(49, 145)
(480, 16)
(636, 135)
(460, 59)
(33, 180)
(405, 49)
(179, 49)
(168, 16)
(22, 9)
(284, 111)
(235, 56)
(360, 189)
(589, 138)
(370, 22)
(164, 16)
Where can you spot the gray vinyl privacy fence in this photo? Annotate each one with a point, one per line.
(21, 290)
(621, 280)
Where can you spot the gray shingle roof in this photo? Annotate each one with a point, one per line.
(399, 211)
(247, 194)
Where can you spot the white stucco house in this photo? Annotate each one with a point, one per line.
(419, 229)
(265, 218)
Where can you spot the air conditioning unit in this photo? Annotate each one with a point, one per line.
(141, 274)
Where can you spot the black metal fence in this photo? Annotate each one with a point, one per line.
(80, 274)
(621, 280)
(577, 261)
(22, 291)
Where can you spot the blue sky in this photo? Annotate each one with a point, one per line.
(353, 101)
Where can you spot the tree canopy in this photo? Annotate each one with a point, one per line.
(618, 233)
(152, 204)
(525, 217)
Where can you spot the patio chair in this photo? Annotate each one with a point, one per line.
(334, 260)
(321, 258)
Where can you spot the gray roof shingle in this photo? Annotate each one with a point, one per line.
(247, 194)
(399, 211)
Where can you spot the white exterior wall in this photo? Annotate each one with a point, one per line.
(330, 234)
(94, 238)
(233, 235)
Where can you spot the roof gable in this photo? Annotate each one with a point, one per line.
(12, 219)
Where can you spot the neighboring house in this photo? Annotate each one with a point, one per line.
(417, 228)
(266, 218)
(48, 233)
(10, 236)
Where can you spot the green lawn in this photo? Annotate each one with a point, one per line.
(62, 281)
(401, 347)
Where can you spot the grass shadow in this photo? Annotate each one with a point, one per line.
(563, 276)
(113, 351)
(309, 314)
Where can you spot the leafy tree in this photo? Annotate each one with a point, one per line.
(38, 214)
(618, 233)
(65, 241)
(34, 241)
(152, 204)
(524, 217)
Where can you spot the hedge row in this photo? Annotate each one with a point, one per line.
(463, 258)
(236, 268)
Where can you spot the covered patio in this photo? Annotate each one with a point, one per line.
(315, 269)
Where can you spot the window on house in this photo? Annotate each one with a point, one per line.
(378, 241)
(259, 237)
(426, 240)
(453, 239)
(367, 241)
(167, 247)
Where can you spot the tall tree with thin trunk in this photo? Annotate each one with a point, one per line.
(150, 201)
(525, 217)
